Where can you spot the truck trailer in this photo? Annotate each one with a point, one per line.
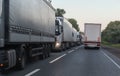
(92, 35)
(26, 30)
(66, 35)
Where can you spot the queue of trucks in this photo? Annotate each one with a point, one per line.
(29, 28)
(66, 35)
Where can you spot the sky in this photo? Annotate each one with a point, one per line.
(90, 11)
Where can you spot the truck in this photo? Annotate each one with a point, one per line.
(27, 30)
(66, 35)
(79, 38)
(92, 37)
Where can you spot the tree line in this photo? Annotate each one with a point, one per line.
(112, 32)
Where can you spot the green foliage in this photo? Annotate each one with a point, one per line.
(112, 32)
(60, 12)
(104, 43)
(74, 23)
(116, 45)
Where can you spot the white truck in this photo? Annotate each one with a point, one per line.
(92, 35)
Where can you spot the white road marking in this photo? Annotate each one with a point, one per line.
(76, 48)
(33, 72)
(79, 46)
(111, 59)
(57, 58)
(71, 51)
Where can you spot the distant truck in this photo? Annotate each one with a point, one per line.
(66, 35)
(92, 35)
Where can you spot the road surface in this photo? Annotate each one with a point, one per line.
(73, 62)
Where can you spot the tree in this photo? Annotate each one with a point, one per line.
(112, 32)
(60, 12)
(74, 23)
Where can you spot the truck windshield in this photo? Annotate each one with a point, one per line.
(0, 7)
(57, 27)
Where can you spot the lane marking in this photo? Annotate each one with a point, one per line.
(79, 47)
(71, 51)
(111, 59)
(76, 48)
(57, 58)
(33, 72)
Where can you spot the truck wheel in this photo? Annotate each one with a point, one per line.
(60, 50)
(21, 58)
(22, 63)
(43, 55)
(97, 48)
(48, 54)
(85, 47)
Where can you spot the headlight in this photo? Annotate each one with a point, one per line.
(57, 44)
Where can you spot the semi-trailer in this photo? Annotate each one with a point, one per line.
(92, 37)
(26, 30)
(66, 35)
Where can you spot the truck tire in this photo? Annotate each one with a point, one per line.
(22, 63)
(85, 47)
(48, 54)
(42, 56)
(22, 58)
(97, 48)
(45, 53)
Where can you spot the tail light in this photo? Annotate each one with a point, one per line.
(98, 39)
(98, 44)
(1, 65)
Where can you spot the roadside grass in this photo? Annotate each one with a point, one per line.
(104, 43)
(116, 45)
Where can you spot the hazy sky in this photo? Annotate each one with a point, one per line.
(93, 11)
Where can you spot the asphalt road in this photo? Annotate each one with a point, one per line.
(73, 62)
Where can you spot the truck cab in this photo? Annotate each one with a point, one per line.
(58, 33)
